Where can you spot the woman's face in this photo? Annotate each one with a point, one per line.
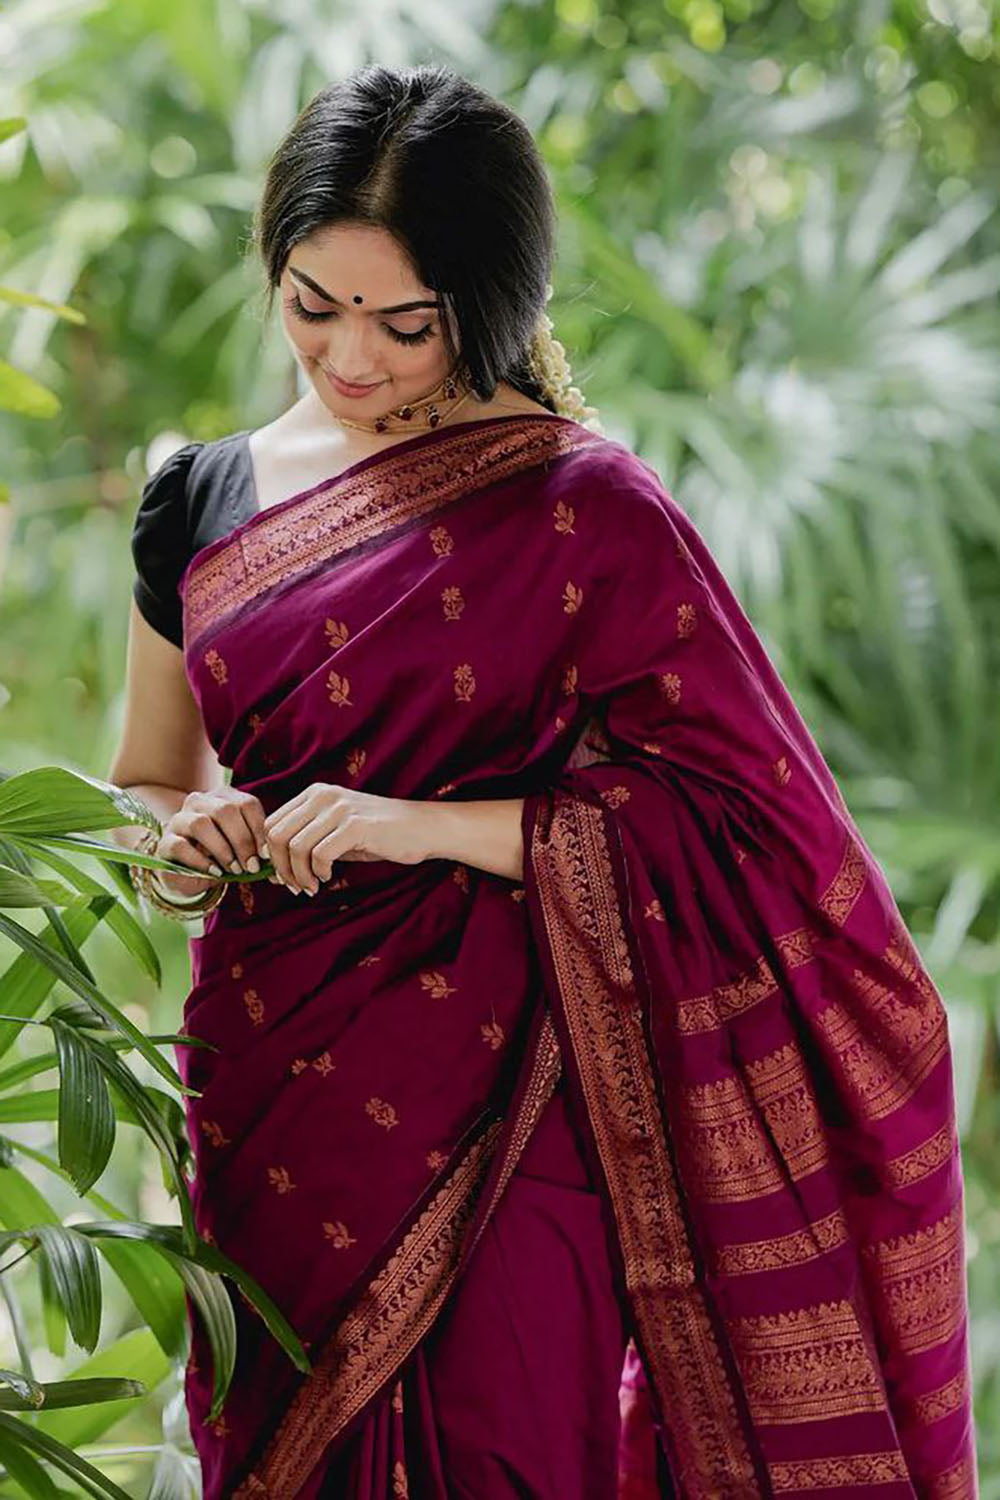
(338, 291)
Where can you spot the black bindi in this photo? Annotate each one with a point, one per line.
(357, 298)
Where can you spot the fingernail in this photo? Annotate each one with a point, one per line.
(253, 864)
(214, 869)
(236, 867)
(265, 852)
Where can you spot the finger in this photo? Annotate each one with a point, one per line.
(255, 818)
(338, 844)
(181, 851)
(233, 818)
(300, 847)
(200, 829)
(278, 837)
(278, 813)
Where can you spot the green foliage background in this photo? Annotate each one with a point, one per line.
(777, 277)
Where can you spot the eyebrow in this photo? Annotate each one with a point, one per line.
(315, 286)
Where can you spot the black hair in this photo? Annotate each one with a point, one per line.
(454, 175)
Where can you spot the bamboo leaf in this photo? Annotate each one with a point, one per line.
(86, 1117)
(88, 991)
(39, 1444)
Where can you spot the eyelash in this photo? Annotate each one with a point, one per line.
(420, 337)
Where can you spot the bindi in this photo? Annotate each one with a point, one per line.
(356, 298)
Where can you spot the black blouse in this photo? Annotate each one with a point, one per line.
(197, 495)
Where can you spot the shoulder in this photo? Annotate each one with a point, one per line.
(622, 491)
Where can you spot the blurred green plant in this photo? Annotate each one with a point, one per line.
(45, 815)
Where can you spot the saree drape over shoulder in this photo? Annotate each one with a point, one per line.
(703, 953)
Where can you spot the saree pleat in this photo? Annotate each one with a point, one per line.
(703, 966)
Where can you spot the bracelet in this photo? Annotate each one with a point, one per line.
(183, 908)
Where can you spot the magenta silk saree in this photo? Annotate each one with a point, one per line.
(703, 953)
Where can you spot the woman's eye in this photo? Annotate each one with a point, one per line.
(309, 316)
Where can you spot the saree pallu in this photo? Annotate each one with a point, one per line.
(702, 953)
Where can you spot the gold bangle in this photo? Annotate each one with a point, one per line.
(184, 910)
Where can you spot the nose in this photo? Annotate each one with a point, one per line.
(350, 354)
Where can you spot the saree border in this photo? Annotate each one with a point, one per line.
(398, 1307)
(388, 490)
(572, 860)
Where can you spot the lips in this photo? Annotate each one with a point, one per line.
(345, 387)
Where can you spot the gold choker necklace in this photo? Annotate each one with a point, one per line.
(424, 412)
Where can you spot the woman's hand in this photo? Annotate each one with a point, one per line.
(326, 822)
(211, 831)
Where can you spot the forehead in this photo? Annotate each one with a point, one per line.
(350, 260)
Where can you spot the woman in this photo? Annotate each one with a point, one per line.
(575, 1053)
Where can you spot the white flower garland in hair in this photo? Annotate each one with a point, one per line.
(550, 368)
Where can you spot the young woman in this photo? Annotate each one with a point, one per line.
(575, 1050)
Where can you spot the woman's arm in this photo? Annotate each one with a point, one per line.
(162, 753)
(486, 835)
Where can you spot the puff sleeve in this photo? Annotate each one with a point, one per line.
(161, 545)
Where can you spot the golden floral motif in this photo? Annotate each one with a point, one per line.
(885, 1063)
(451, 599)
(236, 971)
(460, 875)
(356, 762)
(517, 894)
(382, 1113)
(570, 679)
(256, 723)
(839, 899)
(616, 796)
(280, 1179)
(933, 1405)
(792, 1249)
(369, 958)
(806, 1364)
(747, 1133)
(652, 748)
(338, 1235)
(687, 621)
(853, 1470)
(216, 665)
(324, 1063)
(215, 1133)
(435, 984)
(913, 1165)
(442, 541)
(465, 683)
(397, 1397)
(781, 771)
(220, 1426)
(919, 1280)
(436, 1160)
(442, 791)
(338, 688)
(400, 1484)
(493, 1034)
(560, 723)
(956, 1483)
(654, 909)
(670, 683)
(298, 1066)
(254, 1006)
(741, 855)
(565, 516)
(337, 633)
(572, 598)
